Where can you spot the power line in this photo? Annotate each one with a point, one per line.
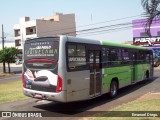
(99, 29)
(107, 30)
(56, 30)
(106, 21)
(103, 32)
(93, 28)
(109, 21)
(110, 27)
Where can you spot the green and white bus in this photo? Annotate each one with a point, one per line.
(66, 69)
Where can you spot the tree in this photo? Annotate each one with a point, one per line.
(8, 55)
(152, 10)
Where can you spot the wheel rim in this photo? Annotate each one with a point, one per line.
(113, 89)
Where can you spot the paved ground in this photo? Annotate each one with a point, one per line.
(10, 78)
(16, 70)
(12, 65)
(85, 108)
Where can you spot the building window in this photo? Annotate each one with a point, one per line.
(144, 34)
(17, 32)
(31, 30)
(18, 42)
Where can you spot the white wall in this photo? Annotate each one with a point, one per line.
(65, 25)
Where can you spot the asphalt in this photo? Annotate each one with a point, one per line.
(16, 71)
(11, 78)
(11, 65)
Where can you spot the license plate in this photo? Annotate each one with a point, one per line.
(38, 96)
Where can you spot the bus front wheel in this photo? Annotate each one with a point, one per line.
(113, 89)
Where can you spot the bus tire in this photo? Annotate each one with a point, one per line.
(113, 89)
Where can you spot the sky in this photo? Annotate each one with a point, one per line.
(89, 14)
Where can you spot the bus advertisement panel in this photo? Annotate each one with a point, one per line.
(41, 64)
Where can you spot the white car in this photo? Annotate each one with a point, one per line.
(18, 61)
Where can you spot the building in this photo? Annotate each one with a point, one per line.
(53, 25)
(128, 42)
(141, 38)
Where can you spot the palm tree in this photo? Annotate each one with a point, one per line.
(152, 10)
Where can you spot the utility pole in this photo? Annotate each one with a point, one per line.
(4, 68)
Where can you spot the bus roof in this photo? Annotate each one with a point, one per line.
(103, 42)
(122, 45)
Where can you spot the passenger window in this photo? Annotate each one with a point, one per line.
(105, 56)
(115, 56)
(81, 50)
(71, 50)
(141, 57)
(125, 56)
(76, 57)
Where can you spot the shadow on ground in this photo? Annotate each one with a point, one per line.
(81, 108)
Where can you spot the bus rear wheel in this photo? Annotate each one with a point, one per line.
(113, 89)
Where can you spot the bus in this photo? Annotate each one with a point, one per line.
(67, 69)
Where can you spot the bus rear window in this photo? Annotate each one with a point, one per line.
(41, 48)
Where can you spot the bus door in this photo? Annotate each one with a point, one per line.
(95, 72)
(133, 67)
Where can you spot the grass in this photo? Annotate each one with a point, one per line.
(149, 105)
(11, 91)
(138, 106)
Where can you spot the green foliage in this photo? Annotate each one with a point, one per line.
(8, 54)
(152, 10)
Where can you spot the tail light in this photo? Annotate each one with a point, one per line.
(59, 84)
(23, 80)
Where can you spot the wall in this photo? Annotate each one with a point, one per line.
(139, 27)
(65, 25)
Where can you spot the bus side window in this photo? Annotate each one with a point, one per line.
(71, 50)
(126, 57)
(141, 56)
(147, 60)
(115, 56)
(81, 50)
(76, 57)
(105, 57)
